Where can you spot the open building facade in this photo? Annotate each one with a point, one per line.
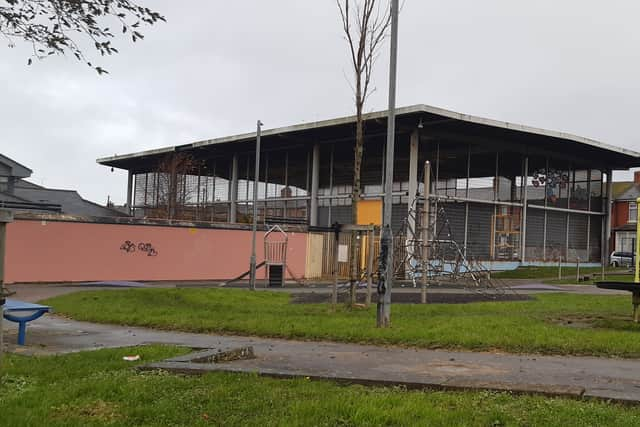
(508, 194)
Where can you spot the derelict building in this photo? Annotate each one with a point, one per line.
(511, 193)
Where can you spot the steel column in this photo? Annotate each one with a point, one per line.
(413, 192)
(233, 190)
(130, 192)
(254, 228)
(315, 183)
(426, 237)
(606, 244)
(466, 204)
(385, 282)
(330, 184)
(523, 217)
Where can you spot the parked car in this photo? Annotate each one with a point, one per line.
(621, 259)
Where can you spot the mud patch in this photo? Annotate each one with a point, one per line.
(615, 322)
(98, 410)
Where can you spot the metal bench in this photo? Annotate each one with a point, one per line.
(634, 288)
(22, 313)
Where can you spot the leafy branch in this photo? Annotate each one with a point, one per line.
(50, 26)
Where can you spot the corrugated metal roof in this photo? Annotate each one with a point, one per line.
(421, 108)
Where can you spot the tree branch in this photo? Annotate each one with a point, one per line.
(51, 26)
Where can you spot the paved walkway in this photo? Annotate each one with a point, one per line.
(572, 376)
(614, 379)
(36, 292)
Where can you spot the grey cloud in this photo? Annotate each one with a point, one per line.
(216, 67)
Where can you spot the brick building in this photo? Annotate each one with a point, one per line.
(624, 214)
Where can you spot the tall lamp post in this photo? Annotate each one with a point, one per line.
(256, 179)
(385, 281)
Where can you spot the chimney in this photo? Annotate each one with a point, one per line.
(636, 177)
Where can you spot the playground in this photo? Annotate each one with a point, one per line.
(166, 277)
(514, 354)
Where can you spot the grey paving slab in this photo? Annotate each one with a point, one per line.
(615, 379)
(564, 376)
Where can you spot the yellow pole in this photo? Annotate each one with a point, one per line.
(638, 241)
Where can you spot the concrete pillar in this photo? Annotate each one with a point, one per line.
(413, 191)
(315, 183)
(523, 217)
(413, 177)
(130, 192)
(233, 190)
(426, 237)
(466, 204)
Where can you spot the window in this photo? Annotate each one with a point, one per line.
(633, 212)
(625, 241)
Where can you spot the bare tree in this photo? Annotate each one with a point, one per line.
(172, 190)
(365, 24)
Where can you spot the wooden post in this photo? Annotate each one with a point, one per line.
(336, 265)
(371, 244)
(354, 273)
(560, 267)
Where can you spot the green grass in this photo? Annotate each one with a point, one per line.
(549, 272)
(550, 324)
(99, 389)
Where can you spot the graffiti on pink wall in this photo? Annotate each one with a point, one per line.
(147, 248)
(46, 251)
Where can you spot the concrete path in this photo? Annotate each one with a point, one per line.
(36, 292)
(571, 376)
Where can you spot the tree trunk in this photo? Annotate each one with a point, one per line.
(355, 198)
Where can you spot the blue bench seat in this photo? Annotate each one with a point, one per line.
(23, 312)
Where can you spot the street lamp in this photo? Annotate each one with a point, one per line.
(385, 281)
(256, 179)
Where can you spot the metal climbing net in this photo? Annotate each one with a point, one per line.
(431, 249)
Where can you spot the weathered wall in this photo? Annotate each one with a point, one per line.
(47, 251)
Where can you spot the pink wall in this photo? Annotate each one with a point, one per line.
(74, 251)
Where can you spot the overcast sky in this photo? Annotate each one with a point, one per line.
(217, 66)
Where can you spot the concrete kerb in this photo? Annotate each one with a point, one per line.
(228, 354)
(203, 362)
(189, 365)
